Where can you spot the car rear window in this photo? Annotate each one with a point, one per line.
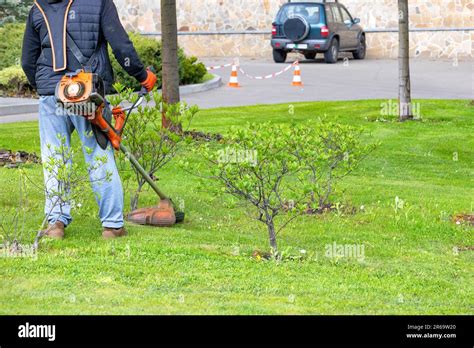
(312, 13)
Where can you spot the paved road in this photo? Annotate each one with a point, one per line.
(368, 79)
(350, 80)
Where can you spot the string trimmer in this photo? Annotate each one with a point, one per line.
(83, 93)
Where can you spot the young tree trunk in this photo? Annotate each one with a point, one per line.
(136, 198)
(271, 231)
(170, 66)
(404, 94)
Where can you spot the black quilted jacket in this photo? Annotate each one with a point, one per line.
(90, 23)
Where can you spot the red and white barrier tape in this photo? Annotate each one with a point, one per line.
(270, 76)
(218, 67)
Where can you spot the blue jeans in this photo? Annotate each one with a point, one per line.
(108, 193)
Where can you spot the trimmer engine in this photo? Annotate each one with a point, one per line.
(83, 93)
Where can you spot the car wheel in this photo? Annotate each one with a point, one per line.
(310, 55)
(330, 56)
(279, 56)
(361, 50)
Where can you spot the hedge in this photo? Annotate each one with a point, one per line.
(149, 51)
(13, 82)
(10, 44)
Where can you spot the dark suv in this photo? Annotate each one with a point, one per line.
(311, 27)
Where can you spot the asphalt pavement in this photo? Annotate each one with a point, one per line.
(347, 80)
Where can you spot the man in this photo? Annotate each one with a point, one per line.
(63, 36)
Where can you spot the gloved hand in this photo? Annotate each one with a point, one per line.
(150, 80)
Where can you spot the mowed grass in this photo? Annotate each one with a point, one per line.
(205, 265)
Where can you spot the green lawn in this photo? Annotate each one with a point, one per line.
(205, 265)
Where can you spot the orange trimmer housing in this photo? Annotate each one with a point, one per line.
(82, 93)
(113, 133)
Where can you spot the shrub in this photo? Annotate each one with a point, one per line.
(149, 51)
(329, 152)
(66, 179)
(14, 11)
(10, 44)
(281, 170)
(153, 145)
(255, 166)
(13, 81)
(190, 70)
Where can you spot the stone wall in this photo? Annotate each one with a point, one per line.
(243, 26)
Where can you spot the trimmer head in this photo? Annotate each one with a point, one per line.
(162, 216)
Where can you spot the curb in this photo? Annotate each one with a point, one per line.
(30, 106)
(216, 82)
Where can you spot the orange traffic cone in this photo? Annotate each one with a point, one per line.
(297, 76)
(234, 81)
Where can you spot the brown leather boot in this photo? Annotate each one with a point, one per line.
(55, 231)
(112, 233)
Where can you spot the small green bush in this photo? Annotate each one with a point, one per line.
(13, 81)
(10, 44)
(282, 171)
(152, 144)
(149, 51)
(191, 71)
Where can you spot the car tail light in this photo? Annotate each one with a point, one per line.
(324, 31)
(274, 30)
(277, 45)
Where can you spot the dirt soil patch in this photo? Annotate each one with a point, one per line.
(201, 136)
(460, 219)
(12, 159)
(326, 208)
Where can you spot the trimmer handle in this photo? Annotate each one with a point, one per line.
(114, 133)
(119, 117)
(151, 79)
(143, 92)
(106, 127)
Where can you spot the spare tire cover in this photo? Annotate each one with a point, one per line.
(296, 28)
